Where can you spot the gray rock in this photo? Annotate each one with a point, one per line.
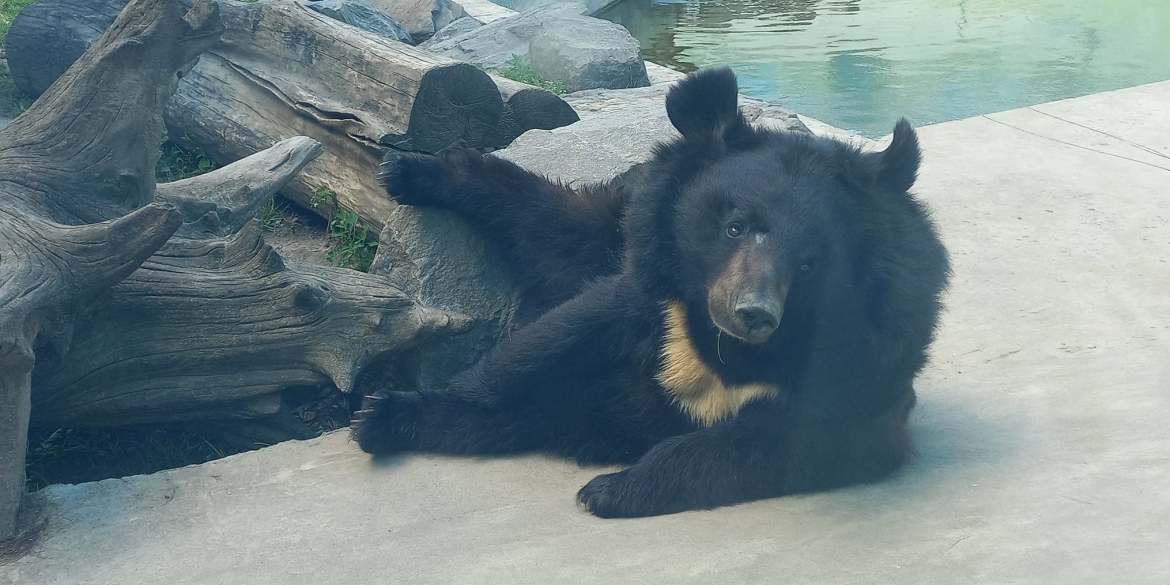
(492, 45)
(421, 17)
(561, 45)
(770, 116)
(4, 122)
(363, 15)
(660, 74)
(591, 6)
(588, 53)
(484, 11)
(440, 260)
(617, 131)
(456, 28)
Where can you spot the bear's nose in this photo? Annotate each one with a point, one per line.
(758, 313)
(757, 318)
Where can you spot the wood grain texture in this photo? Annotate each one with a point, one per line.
(282, 70)
(207, 325)
(122, 302)
(78, 215)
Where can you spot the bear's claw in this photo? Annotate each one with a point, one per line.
(606, 496)
(409, 177)
(386, 422)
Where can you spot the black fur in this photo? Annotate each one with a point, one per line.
(828, 232)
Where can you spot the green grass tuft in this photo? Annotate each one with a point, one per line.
(354, 248)
(8, 11)
(321, 196)
(519, 69)
(268, 216)
(12, 103)
(180, 163)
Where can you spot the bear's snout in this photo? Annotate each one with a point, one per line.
(747, 299)
(758, 316)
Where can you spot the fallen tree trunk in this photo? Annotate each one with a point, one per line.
(93, 332)
(213, 329)
(235, 192)
(283, 70)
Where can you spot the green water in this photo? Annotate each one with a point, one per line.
(862, 64)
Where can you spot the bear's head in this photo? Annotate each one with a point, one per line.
(756, 224)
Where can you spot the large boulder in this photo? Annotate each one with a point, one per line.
(456, 28)
(588, 53)
(363, 15)
(615, 135)
(560, 43)
(434, 254)
(32, 67)
(422, 18)
(492, 45)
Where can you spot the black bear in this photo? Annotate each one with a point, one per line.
(747, 323)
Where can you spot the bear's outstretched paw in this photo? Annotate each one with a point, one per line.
(412, 178)
(388, 422)
(618, 495)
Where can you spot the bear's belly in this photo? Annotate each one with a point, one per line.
(694, 386)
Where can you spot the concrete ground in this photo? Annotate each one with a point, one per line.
(1044, 446)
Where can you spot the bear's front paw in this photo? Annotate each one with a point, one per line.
(617, 495)
(412, 178)
(599, 496)
(387, 422)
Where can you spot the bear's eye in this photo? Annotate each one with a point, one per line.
(734, 230)
(807, 267)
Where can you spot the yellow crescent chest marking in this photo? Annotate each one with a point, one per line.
(698, 390)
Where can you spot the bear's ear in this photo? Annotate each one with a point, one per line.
(705, 103)
(897, 165)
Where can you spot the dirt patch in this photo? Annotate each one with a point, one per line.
(298, 234)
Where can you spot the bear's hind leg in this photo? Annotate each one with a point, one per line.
(444, 422)
(438, 422)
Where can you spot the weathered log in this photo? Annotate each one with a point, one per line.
(285, 70)
(235, 192)
(207, 326)
(67, 156)
(229, 114)
(91, 331)
(64, 163)
(50, 272)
